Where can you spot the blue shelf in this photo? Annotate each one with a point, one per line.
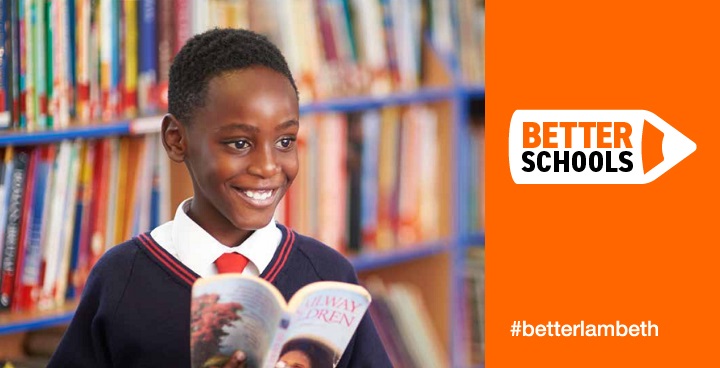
(35, 323)
(16, 138)
(373, 261)
(365, 262)
(376, 102)
(474, 240)
(151, 124)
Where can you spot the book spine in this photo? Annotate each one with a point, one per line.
(76, 228)
(49, 78)
(113, 159)
(82, 68)
(59, 288)
(99, 203)
(5, 91)
(5, 172)
(12, 229)
(29, 276)
(165, 30)
(117, 40)
(369, 174)
(28, 69)
(15, 61)
(28, 209)
(40, 31)
(70, 32)
(130, 74)
(106, 58)
(147, 55)
(183, 28)
(55, 222)
(80, 272)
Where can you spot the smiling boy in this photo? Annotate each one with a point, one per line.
(233, 120)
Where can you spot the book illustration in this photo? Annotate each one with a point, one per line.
(234, 312)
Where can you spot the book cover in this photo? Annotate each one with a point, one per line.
(233, 312)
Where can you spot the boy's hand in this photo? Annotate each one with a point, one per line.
(236, 361)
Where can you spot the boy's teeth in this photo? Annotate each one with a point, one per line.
(258, 194)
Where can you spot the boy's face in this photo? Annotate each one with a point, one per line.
(241, 149)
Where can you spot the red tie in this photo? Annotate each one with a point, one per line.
(231, 262)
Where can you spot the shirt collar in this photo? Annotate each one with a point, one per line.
(198, 250)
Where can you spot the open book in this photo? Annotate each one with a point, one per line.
(233, 312)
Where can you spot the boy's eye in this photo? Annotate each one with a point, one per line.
(286, 142)
(239, 144)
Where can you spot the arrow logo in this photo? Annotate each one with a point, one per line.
(593, 147)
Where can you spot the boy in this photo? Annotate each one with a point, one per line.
(233, 120)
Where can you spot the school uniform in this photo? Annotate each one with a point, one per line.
(135, 308)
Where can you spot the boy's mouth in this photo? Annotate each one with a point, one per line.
(258, 197)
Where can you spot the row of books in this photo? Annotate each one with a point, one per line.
(66, 62)
(370, 181)
(63, 205)
(405, 327)
(458, 29)
(475, 303)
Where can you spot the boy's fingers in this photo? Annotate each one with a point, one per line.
(236, 361)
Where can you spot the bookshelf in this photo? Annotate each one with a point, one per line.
(436, 265)
(28, 321)
(151, 124)
(364, 263)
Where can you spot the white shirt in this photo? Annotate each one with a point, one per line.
(197, 249)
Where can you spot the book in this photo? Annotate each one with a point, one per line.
(232, 312)
(15, 199)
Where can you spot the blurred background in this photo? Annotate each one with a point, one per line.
(391, 150)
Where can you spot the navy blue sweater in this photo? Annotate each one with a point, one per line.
(135, 309)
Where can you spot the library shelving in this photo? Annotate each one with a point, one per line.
(437, 265)
(364, 263)
(28, 321)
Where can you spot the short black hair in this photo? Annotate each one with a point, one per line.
(213, 53)
(320, 355)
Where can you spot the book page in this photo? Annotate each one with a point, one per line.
(324, 317)
(233, 312)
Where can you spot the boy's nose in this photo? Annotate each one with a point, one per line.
(264, 164)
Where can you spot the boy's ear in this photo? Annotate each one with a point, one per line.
(174, 138)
